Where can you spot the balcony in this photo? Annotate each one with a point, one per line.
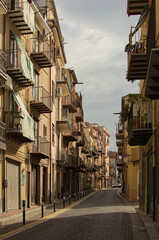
(137, 65)
(79, 115)
(64, 123)
(78, 99)
(137, 56)
(120, 151)
(72, 162)
(135, 6)
(2, 136)
(69, 135)
(63, 86)
(80, 141)
(44, 55)
(22, 16)
(17, 68)
(140, 132)
(3, 60)
(120, 143)
(95, 167)
(42, 100)
(3, 7)
(69, 102)
(62, 159)
(14, 126)
(41, 148)
(152, 80)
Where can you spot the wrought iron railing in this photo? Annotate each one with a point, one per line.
(2, 132)
(42, 95)
(3, 59)
(41, 145)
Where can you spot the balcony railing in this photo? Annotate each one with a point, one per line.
(44, 55)
(78, 99)
(3, 7)
(22, 16)
(42, 100)
(17, 68)
(3, 60)
(135, 6)
(140, 128)
(64, 124)
(62, 158)
(69, 102)
(41, 148)
(137, 57)
(79, 115)
(14, 128)
(152, 84)
(69, 136)
(65, 84)
(2, 136)
(80, 141)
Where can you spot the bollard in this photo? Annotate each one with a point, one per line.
(69, 199)
(64, 202)
(42, 207)
(54, 205)
(23, 212)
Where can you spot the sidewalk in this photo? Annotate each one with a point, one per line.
(151, 227)
(13, 220)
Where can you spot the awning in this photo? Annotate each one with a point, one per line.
(27, 121)
(142, 18)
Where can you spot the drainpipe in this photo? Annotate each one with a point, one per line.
(4, 169)
(153, 152)
(50, 139)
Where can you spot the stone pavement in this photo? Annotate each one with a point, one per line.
(102, 215)
(151, 227)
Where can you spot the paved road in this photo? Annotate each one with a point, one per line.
(101, 216)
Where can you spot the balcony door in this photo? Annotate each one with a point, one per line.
(36, 42)
(36, 134)
(36, 86)
(13, 51)
(14, 4)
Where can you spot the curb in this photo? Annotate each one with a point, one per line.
(148, 223)
(146, 220)
(41, 220)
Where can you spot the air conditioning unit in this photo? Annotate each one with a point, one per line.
(59, 91)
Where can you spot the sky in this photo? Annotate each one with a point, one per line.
(95, 34)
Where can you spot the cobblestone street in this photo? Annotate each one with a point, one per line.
(103, 215)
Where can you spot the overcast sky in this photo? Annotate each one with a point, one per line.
(95, 33)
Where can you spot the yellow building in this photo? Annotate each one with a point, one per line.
(143, 65)
(40, 109)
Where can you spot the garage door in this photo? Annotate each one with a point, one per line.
(13, 185)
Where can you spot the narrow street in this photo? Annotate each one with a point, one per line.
(103, 215)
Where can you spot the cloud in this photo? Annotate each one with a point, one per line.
(97, 32)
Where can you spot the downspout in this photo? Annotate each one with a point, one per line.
(153, 152)
(50, 135)
(4, 169)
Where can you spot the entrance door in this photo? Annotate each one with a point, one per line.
(13, 190)
(150, 184)
(34, 184)
(45, 184)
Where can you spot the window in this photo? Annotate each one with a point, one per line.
(44, 131)
(53, 133)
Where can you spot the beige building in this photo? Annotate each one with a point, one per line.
(143, 63)
(40, 109)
